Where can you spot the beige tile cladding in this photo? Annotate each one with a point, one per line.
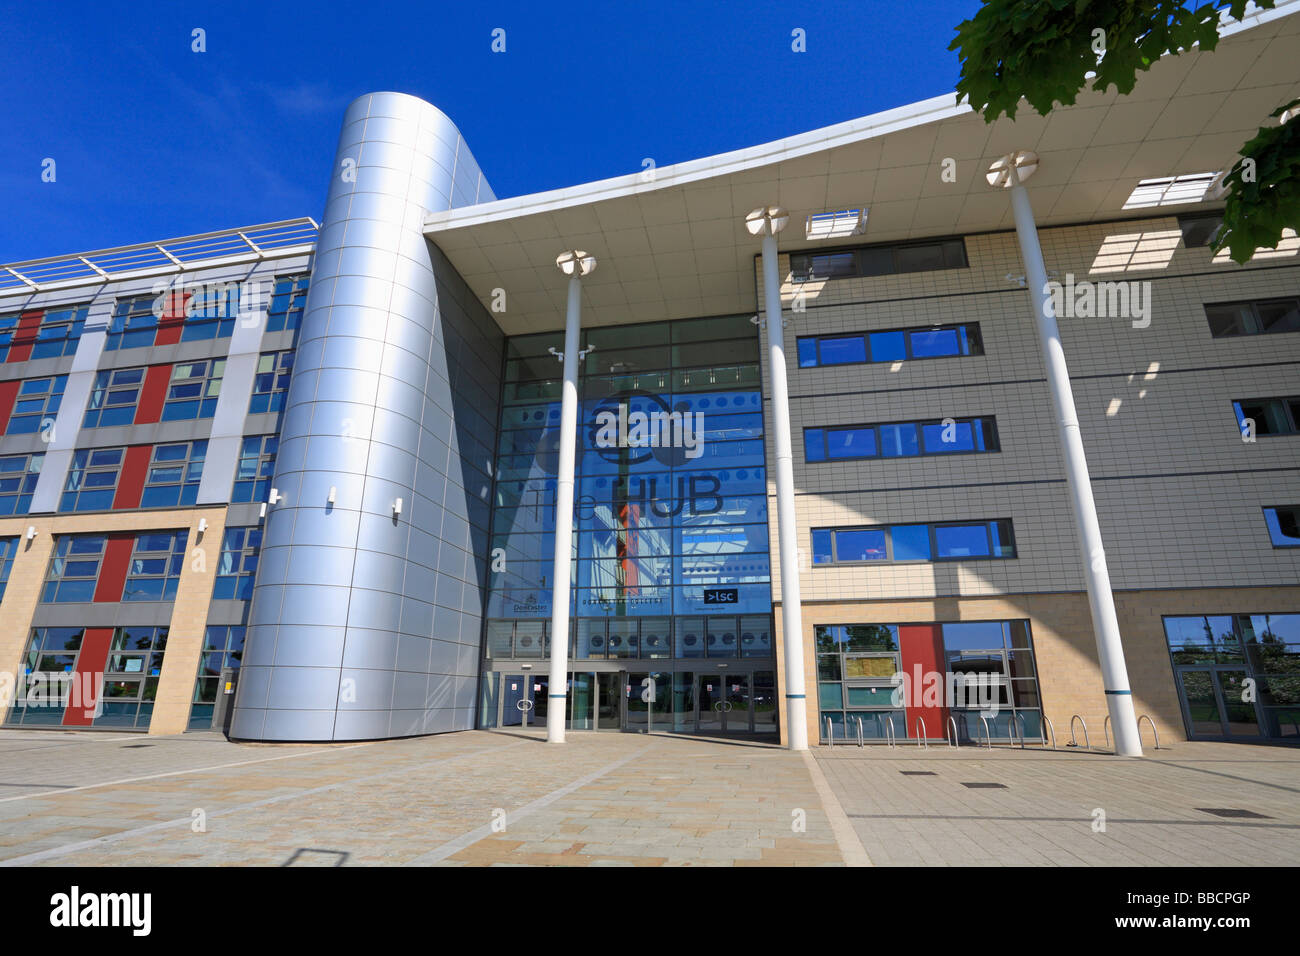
(189, 612)
(1064, 647)
(1178, 494)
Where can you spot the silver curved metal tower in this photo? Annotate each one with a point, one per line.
(367, 608)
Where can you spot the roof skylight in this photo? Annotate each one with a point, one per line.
(1170, 191)
(836, 225)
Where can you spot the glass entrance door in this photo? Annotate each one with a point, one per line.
(1217, 702)
(523, 700)
(725, 703)
(611, 700)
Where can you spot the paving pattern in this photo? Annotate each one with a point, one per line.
(483, 798)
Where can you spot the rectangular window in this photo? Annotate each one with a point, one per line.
(114, 399)
(271, 383)
(287, 303)
(945, 541)
(92, 479)
(867, 261)
(156, 565)
(8, 548)
(36, 405)
(942, 437)
(59, 331)
(1259, 317)
(49, 662)
(1268, 416)
(74, 569)
(238, 564)
(134, 323)
(255, 468)
(193, 391)
(8, 327)
(893, 345)
(1283, 525)
(135, 660)
(222, 647)
(210, 311)
(18, 477)
(174, 475)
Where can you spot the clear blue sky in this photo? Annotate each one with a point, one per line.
(152, 140)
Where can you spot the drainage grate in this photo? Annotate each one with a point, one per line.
(134, 746)
(917, 773)
(985, 786)
(1234, 813)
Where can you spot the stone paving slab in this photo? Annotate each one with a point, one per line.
(503, 799)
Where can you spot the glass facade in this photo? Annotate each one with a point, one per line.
(670, 544)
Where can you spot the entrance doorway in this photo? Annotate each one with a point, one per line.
(523, 700)
(724, 703)
(1213, 704)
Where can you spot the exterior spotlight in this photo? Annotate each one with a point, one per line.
(1023, 161)
(332, 495)
(397, 507)
(275, 496)
(31, 532)
(203, 525)
(766, 221)
(575, 263)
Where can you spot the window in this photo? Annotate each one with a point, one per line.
(36, 405)
(135, 660)
(114, 398)
(1260, 317)
(210, 311)
(878, 260)
(222, 647)
(74, 569)
(238, 565)
(935, 437)
(48, 665)
(287, 303)
(174, 474)
(193, 390)
(1199, 231)
(1169, 190)
(1269, 416)
(57, 334)
(255, 468)
(156, 565)
(134, 323)
(92, 479)
(272, 382)
(18, 477)
(895, 345)
(1283, 525)
(946, 541)
(8, 327)
(8, 548)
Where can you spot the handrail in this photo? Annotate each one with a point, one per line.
(1017, 728)
(953, 742)
(830, 733)
(890, 735)
(1105, 726)
(1051, 728)
(920, 734)
(859, 731)
(988, 736)
(1154, 732)
(1073, 742)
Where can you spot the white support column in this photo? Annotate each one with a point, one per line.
(767, 223)
(1011, 171)
(574, 264)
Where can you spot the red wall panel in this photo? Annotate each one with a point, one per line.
(172, 320)
(29, 323)
(130, 483)
(8, 395)
(88, 677)
(153, 393)
(922, 653)
(113, 569)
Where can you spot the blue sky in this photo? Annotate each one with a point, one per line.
(152, 140)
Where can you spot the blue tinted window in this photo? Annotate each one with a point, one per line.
(865, 544)
(843, 351)
(911, 542)
(962, 541)
(956, 436)
(935, 343)
(887, 347)
(1283, 526)
(821, 541)
(851, 442)
(807, 353)
(898, 440)
(814, 444)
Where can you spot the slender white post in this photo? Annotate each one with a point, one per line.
(578, 264)
(1105, 624)
(796, 721)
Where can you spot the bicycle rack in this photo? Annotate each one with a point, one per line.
(951, 742)
(1017, 729)
(830, 733)
(890, 736)
(1074, 743)
(1154, 732)
(988, 736)
(1105, 726)
(920, 734)
(859, 731)
(1052, 729)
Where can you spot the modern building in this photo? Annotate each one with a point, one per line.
(328, 459)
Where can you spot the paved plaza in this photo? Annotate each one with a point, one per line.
(497, 798)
